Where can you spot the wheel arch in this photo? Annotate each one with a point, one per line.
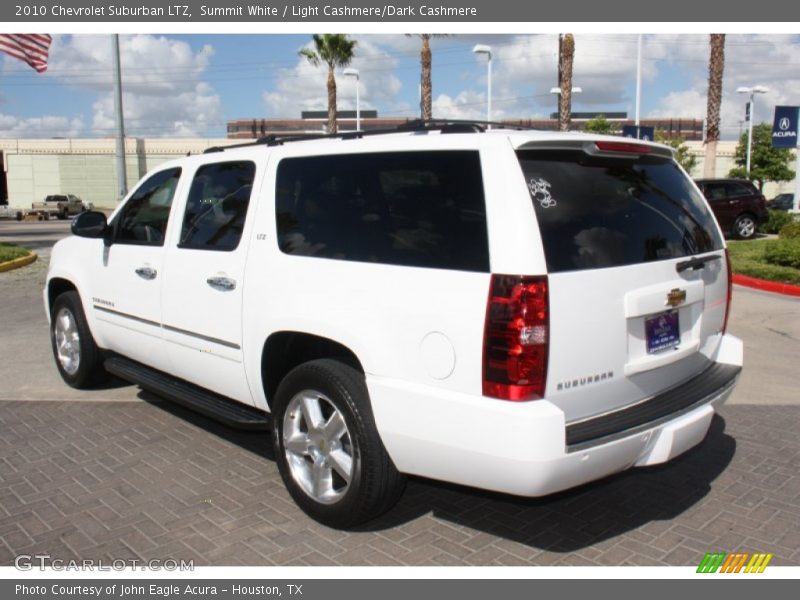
(285, 350)
(57, 286)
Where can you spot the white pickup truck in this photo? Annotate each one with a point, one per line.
(61, 206)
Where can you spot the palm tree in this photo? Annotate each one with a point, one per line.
(566, 55)
(716, 65)
(335, 50)
(426, 85)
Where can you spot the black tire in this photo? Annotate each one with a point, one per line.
(375, 485)
(88, 370)
(19, 216)
(745, 227)
(63, 215)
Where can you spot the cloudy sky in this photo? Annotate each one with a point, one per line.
(190, 85)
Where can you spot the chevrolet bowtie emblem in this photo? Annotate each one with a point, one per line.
(675, 297)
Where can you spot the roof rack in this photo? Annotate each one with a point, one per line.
(411, 126)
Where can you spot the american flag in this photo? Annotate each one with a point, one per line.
(31, 48)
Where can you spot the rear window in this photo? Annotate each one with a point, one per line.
(597, 212)
(420, 209)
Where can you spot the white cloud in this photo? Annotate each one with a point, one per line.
(466, 105)
(54, 126)
(304, 87)
(163, 91)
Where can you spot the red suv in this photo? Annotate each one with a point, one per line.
(737, 204)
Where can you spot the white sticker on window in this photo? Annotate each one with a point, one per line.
(540, 191)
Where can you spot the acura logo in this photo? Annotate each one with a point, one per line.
(784, 124)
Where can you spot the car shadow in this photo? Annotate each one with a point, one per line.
(563, 522)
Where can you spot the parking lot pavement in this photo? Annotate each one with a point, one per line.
(148, 480)
(121, 474)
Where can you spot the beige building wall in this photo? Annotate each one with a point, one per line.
(725, 162)
(85, 167)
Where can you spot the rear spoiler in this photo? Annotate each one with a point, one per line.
(605, 148)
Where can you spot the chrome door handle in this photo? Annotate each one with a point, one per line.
(146, 272)
(225, 284)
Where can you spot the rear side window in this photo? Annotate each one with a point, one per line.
(598, 212)
(217, 206)
(738, 189)
(420, 209)
(143, 219)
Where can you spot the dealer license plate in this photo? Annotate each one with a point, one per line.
(662, 331)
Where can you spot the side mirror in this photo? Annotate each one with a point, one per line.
(90, 224)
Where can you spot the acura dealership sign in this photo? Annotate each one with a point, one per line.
(784, 127)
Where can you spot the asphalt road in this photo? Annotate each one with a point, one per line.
(117, 473)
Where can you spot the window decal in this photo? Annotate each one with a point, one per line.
(540, 191)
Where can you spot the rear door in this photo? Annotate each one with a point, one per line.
(628, 319)
(723, 206)
(203, 271)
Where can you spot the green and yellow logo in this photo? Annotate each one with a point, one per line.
(715, 562)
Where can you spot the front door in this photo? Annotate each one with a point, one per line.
(127, 275)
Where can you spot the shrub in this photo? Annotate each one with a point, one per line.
(790, 231)
(785, 253)
(777, 219)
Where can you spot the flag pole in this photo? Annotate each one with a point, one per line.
(122, 176)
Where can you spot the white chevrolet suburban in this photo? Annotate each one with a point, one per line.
(512, 310)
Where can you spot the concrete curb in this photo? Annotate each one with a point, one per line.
(18, 262)
(787, 289)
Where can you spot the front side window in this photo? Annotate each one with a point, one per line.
(217, 206)
(143, 219)
(420, 209)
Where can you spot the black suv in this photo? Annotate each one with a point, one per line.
(737, 204)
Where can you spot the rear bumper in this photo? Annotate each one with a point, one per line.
(527, 448)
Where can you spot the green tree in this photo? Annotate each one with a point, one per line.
(685, 159)
(335, 50)
(600, 125)
(766, 163)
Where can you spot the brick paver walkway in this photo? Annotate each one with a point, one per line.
(116, 480)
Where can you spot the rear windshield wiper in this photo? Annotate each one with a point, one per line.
(696, 263)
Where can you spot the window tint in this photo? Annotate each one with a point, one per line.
(143, 219)
(737, 190)
(715, 191)
(421, 209)
(596, 213)
(217, 206)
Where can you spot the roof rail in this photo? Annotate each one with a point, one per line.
(413, 125)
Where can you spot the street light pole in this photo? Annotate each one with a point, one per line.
(487, 50)
(638, 77)
(752, 91)
(122, 175)
(350, 72)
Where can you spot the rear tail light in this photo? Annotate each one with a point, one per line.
(730, 290)
(516, 338)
